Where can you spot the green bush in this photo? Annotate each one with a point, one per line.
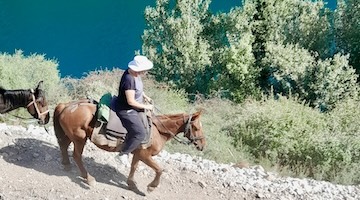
(94, 84)
(298, 138)
(273, 128)
(18, 71)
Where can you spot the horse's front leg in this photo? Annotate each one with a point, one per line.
(158, 170)
(78, 150)
(134, 163)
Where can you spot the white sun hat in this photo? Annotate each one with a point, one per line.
(140, 63)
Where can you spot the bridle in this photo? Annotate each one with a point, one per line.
(39, 114)
(187, 131)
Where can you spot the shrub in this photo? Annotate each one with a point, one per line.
(18, 71)
(299, 138)
(22, 72)
(94, 84)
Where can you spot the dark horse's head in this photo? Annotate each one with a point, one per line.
(38, 106)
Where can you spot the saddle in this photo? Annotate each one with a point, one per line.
(109, 130)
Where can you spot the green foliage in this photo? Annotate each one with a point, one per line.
(322, 83)
(94, 84)
(347, 26)
(344, 117)
(269, 127)
(331, 81)
(299, 138)
(234, 60)
(174, 42)
(24, 72)
(283, 46)
(290, 39)
(166, 100)
(288, 66)
(291, 21)
(308, 25)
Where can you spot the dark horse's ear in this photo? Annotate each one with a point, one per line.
(39, 86)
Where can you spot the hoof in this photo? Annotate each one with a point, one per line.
(67, 167)
(131, 185)
(150, 188)
(91, 183)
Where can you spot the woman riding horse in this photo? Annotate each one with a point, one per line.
(74, 122)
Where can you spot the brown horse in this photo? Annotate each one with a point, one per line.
(32, 99)
(74, 122)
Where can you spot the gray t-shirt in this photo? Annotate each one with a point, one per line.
(139, 88)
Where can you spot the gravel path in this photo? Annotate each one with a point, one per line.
(30, 169)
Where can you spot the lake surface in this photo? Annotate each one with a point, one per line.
(82, 35)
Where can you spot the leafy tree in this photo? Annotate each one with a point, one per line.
(322, 83)
(347, 26)
(266, 45)
(233, 59)
(331, 81)
(285, 22)
(288, 66)
(173, 40)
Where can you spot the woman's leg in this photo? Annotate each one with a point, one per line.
(136, 130)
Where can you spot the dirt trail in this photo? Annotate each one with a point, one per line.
(30, 169)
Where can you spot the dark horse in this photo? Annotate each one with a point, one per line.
(75, 121)
(32, 99)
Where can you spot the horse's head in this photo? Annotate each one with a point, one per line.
(193, 131)
(38, 106)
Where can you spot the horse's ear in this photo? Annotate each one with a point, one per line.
(197, 114)
(39, 86)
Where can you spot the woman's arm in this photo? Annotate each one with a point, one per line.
(130, 97)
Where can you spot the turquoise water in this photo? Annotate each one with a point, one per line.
(82, 35)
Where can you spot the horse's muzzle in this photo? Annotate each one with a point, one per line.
(43, 121)
(198, 146)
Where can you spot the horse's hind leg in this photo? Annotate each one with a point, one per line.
(64, 145)
(78, 150)
(64, 142)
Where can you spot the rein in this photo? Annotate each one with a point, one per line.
(170, 132)
(187, 130)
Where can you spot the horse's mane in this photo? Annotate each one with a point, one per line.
(2, 90)
(171, 116)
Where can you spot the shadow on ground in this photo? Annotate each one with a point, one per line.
(45, 157)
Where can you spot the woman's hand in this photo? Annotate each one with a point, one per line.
(149, 107)
(147, 99)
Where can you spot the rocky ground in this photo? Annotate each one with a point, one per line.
(30, 169)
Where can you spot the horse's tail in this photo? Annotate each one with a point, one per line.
(59, 132)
